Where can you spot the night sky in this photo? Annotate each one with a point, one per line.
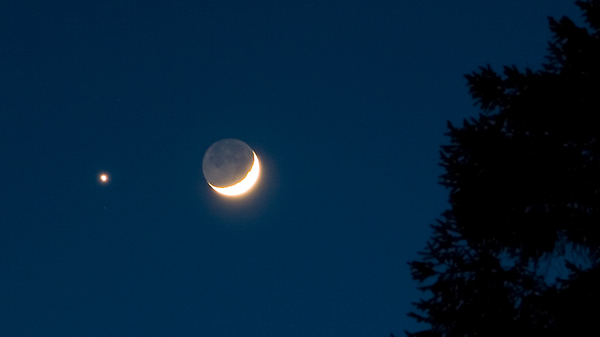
(344, 102)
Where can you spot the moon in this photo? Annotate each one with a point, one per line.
(230, 167)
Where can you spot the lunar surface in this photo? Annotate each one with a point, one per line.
(230, 167)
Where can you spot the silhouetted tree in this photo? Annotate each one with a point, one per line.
(518, 252)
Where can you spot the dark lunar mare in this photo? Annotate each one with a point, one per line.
(227, 162)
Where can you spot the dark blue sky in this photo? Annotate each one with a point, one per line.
(344, 102)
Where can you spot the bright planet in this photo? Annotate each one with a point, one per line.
(103, 178)
(230, 167)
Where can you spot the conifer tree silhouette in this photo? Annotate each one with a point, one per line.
(524, 182)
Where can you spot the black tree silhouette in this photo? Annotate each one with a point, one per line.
(519, 249)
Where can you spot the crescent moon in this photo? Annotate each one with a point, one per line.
(243, 185)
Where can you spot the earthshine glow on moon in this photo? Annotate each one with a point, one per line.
(243, 185)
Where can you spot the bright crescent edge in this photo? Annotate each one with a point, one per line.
(243, 185)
